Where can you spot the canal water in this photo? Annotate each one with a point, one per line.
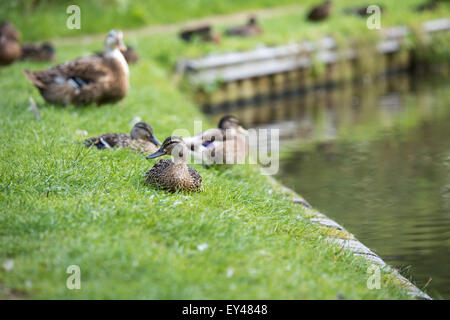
(376, 158)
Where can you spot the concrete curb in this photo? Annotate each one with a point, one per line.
(354, 245)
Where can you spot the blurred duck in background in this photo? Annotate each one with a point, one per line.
(361, 11)
(10, 49)
(38, 53)
(320, 12)
(128, 52)
(428, 6)
(203, 33)
(86, 80)
(173, 175)
(226, 144)
(252, 28)
(141, 139)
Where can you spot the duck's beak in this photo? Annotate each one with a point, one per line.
(242, 130)
(154, 140)
(157, 154)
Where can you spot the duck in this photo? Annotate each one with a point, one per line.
(86, 80)
(129, 53)
(141, 139)
(320, 12)
(39, 53)
(252, 28)
(428, 6)
(10, 49)
(173, 175)
(203, 33)
(226, 144)
(361, 11)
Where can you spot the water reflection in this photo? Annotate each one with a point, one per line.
(376, 159)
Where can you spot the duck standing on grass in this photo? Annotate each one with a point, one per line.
(9, 43)
(173, 175)
(86, 80)
(141, 140)
(321, 12)
(252, 28)
(225, 144)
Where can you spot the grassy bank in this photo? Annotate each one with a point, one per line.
(37, 18)
(62, 204)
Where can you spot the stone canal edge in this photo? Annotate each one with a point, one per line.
(353, 245)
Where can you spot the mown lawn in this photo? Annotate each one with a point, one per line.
(62, 204)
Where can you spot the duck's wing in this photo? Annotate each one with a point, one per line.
(78, 72)
(108, 140)
(196, 179)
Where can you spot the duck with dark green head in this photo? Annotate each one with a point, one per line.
(141, 140)
(173, 175)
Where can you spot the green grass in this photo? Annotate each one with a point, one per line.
(37, 18)
(291, 28)
(63, 204)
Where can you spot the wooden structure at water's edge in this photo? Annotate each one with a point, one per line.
(273, 71)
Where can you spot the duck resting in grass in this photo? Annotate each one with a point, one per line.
(252, 28)
(141, 139)
(10, 49)
(86, 80)
(39, 53)
(225, 144)
(173, 175)
(320, 12)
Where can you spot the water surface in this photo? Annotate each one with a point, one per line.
(376, 158)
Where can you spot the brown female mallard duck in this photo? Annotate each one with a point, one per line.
(252, 28)
(173, 175)
(141, 140)
(203, 33)
(320, 12)
(9, 43)
(86, 80)
(38, 53)
(225, 144)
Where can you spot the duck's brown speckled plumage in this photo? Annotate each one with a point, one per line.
(10, 49)
(173, 175)
(85, 80)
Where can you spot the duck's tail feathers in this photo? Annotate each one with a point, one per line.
(33, 79)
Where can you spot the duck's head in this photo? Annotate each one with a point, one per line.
(173, 146)
(7, 31)
(48, 48)
(252, 21)
(230, 122)
(114, 40)
(144, 131)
